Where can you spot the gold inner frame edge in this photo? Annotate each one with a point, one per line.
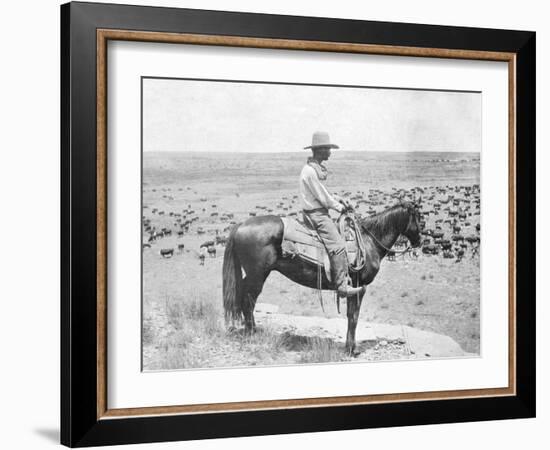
(104, 35)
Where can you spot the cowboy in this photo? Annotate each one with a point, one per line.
(316, 201)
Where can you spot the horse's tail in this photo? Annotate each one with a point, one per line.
(232, 281)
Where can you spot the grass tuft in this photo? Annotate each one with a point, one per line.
(320, 350)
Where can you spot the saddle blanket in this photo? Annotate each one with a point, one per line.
(305, 243)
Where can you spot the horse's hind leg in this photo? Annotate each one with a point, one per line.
(253, 285)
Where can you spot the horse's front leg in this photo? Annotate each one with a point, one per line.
(353, 308)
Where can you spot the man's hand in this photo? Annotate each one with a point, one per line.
(346, 205)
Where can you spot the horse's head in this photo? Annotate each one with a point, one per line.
(412, 232)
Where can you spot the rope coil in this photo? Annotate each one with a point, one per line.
(350, 218)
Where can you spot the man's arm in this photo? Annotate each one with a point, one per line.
(321, 193)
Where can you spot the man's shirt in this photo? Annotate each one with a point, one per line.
(313, 194)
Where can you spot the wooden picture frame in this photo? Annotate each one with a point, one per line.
(86, 418)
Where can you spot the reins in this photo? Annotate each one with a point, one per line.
(384, 247)
(320, 285)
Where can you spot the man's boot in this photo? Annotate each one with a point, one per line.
(339, 271)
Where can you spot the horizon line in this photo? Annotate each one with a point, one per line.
(302, 151)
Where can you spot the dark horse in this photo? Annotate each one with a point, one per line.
(255, 246)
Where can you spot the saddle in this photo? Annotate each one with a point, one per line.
(302, 241)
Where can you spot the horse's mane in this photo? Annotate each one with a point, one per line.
(382, 222)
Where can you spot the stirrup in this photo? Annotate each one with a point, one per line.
(350, 291)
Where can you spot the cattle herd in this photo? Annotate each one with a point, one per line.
(450, 220)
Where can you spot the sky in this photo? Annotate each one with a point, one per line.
(190, 115)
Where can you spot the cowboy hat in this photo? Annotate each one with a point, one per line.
(320, 139)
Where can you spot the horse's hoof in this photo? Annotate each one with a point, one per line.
(352, 353)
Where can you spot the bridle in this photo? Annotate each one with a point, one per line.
(396, 252)
(352, 215)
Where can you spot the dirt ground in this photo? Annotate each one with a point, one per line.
(182, 299)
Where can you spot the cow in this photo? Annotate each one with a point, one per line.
(431, 249)
(202, 255)
(207, 244)
(401, 242)
(166, 252)
(221, 240)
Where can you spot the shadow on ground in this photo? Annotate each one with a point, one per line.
(50, 434)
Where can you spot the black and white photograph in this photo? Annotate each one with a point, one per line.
(291, 223)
